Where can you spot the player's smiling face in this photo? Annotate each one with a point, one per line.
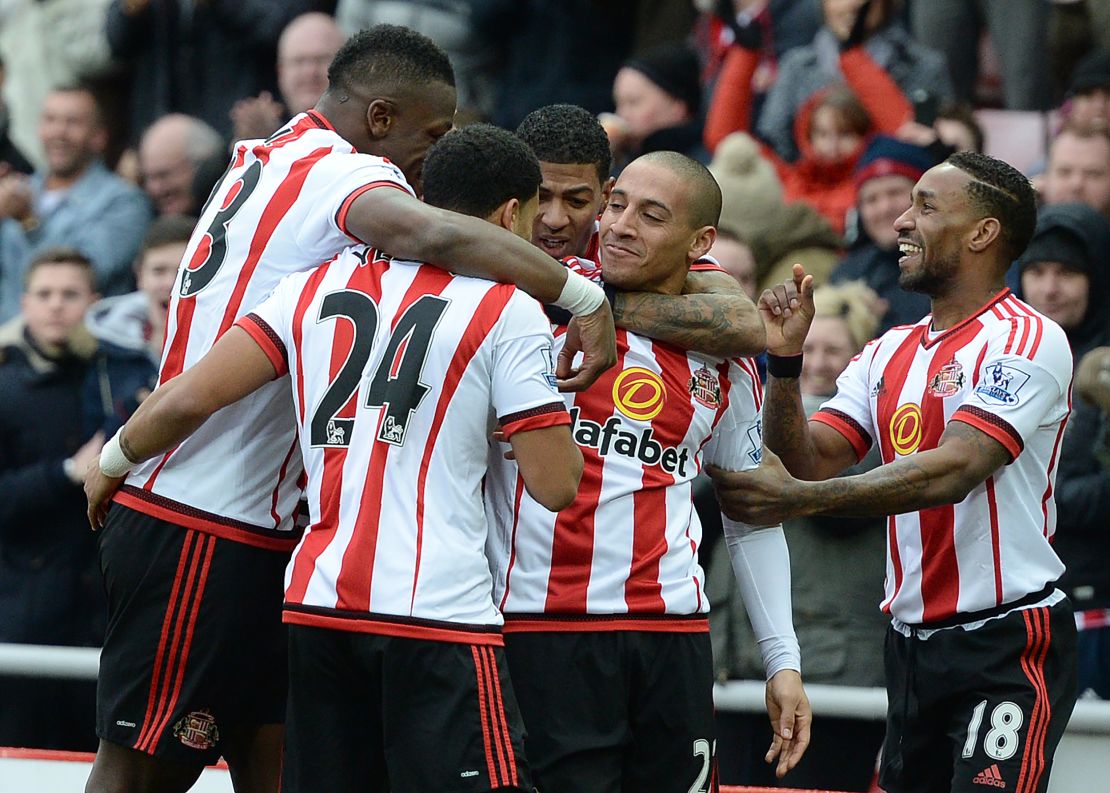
(417, 121)
(646, 238)
(931, 232)
(571, 196)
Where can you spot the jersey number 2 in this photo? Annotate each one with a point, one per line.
(395, 386)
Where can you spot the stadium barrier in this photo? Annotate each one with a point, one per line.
(1083, 755)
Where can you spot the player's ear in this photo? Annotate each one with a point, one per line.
(986, 231)
(506, 216)
(607, 190)
(380, 115)
(701, 242)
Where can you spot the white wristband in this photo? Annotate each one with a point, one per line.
(113, 462)
(580, 295)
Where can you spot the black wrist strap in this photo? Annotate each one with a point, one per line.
(782, 366)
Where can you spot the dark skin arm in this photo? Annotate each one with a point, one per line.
(397, 223)
(550, 464)
(712, 316)
(962, 461)
(234, 367)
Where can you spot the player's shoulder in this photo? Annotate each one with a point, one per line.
(1026, 332)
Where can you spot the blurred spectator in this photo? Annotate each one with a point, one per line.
(306, 47)
(773, 27)
(1018, 32)
(736, 258)
(1079, 168)
(130, 329)
(555, 51)
(50, 591)
(841, 49)
(197, 57)
(1088, 102)
(452, 26)
(11, 158)
(834, 564)
(47, 43)
(170, 152)
(1065, 274)
(885, 175)
(778, 233)
(658, 106)
(75, 201)
(957, 128)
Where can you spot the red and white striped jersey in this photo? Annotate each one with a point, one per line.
(1005, 371)
(624, 555)
(281, 208)
(400, 371)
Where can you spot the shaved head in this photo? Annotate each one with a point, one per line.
(703, 194)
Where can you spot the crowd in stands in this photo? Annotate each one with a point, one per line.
(816, 117)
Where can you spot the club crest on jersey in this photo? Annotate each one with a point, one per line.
(197, 730)
(905, 428)
(705, 389)
(639, 393)
(948, 380)
(609, 438)
(1000, 385)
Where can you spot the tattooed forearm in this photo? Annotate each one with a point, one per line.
(722, 325)
(786, 427)
(964, 458)
(128, 451)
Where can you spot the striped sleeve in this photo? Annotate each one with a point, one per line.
(849, 410)
(268, 339)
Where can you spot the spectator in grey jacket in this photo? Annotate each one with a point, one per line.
(805, 70)
(75, 201)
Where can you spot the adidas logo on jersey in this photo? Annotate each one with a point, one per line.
(608, 439)
(990, 776)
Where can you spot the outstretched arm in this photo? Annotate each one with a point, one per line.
(234, 367)
(714, 316)
(402, 226)
(963, 459)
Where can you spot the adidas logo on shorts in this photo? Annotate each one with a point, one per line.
(990, 776)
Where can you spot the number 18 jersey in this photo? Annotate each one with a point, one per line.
(281, 208)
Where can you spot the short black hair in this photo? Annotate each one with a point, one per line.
(476, 169)
(569, 135)
(999, 190)
(167, 230)
(60, 254)
(389, 55)
(704, 197)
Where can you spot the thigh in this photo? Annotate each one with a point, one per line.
(573, 695)
(450, 719)
(673, 734)
(194, 640)
(916, 748)
(1005, 728)
(333, 733)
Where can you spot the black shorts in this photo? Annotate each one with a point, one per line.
(616, 710)
(195, 644)
(982, 709)
(385, 713)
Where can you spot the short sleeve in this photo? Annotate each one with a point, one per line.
(737, 440)
(341, 179)
(707, 264)
(523, 372)
(1013, 396)
(849, 411)
(269, 323)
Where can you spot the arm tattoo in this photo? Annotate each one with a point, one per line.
(721, 325)
(125, 447)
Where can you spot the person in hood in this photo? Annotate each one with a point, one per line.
(1064, 276)
(658, 106)
(130, 329)
(884, 176)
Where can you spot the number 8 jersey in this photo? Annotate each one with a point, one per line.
(280, 208)
(400, 371)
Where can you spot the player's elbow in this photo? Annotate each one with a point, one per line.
(744, 336)
(557, 487)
